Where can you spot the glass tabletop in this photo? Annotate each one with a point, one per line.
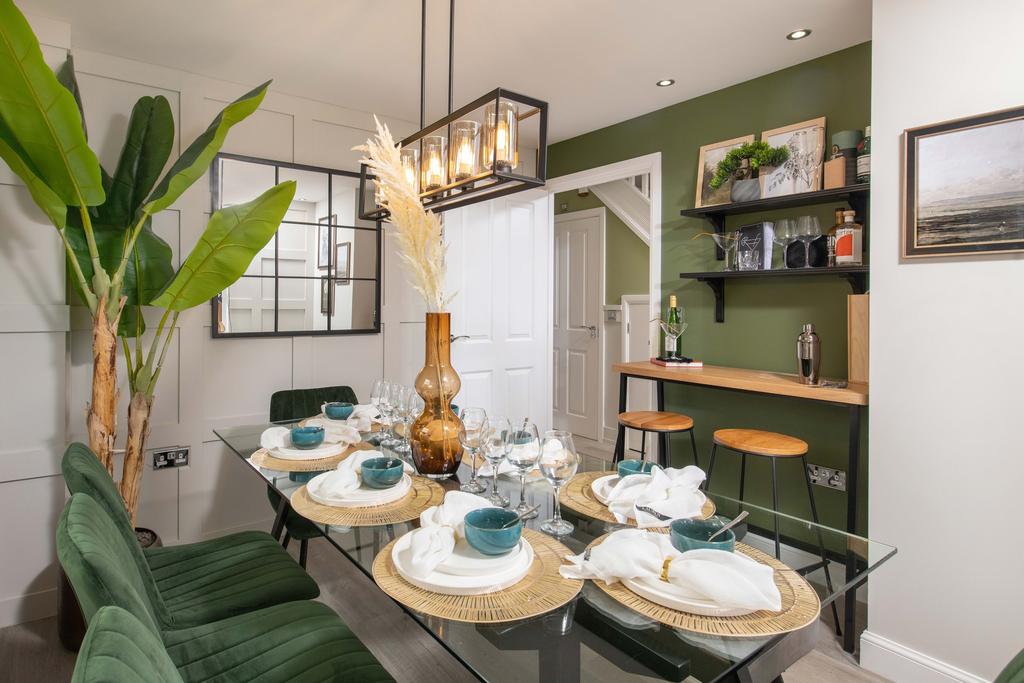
(594, 637)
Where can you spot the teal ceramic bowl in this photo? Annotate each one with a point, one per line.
(484, 532)
(382, 473)
(627, 467)
(307, 437)
(338, 410)
(691, 534)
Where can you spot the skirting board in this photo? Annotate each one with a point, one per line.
(899, 663)
(22, 608)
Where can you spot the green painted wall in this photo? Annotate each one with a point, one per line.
(627, 258)
(763, 317)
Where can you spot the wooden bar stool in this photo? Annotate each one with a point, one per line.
(773, 446)
(663, 424)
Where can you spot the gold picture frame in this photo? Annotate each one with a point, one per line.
(795, 176)
(707, 160)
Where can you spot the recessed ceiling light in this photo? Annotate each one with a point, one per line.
(665, 82)
(798, 34)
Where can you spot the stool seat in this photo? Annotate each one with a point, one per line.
(656, 421)
(758, 442)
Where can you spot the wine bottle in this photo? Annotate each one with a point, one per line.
(675, 319)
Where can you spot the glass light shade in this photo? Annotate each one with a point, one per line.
(410, 166)
(464, 149)
(433, 163)
(500, 140)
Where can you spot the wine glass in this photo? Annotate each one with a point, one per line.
(783, 235)
(523, 455)
(414, 406)
(378, 398)
(471, 436)
(497, 444)
(402, 414)
(808, 230)
(558, 464)
(389, 409)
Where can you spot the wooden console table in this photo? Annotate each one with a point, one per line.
(853, 398)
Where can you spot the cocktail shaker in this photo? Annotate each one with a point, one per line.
(808, 355)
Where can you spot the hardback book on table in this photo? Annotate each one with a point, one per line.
(680, 363)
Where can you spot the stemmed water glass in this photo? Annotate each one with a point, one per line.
(497, 444)
(784, 234)
(808, 230)
(523, 455)
(378, 398)
(558, 463)
(389, 409)
(471, 436)
(406, 412)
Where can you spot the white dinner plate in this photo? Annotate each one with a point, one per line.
(364, 496)
(451, 584)
(671, 596)
(467, 561)
(603, 485)
(324, 450)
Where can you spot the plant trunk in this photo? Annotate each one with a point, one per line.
(101, 420)
(138, 432)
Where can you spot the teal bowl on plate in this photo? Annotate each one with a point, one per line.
(305, 438)
(692, 534)
(484, 532)
(338, 410)
(382, 473)
(627, 467)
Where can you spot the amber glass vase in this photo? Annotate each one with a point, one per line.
(435, 434)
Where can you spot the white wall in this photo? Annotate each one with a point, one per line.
(207, 383)
(946, 457)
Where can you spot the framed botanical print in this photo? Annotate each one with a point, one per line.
(707, 161)
(802, 172)
(323, 241)
(343, 263)
(963, 186)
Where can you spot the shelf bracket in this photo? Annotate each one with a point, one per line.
(717, 286)
(858, 281)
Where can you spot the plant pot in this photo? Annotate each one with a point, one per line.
(745, 190)
(435, 433)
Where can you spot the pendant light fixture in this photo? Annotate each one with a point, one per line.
(493, 146)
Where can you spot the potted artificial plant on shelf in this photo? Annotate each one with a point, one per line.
(116, 263)
(742, 165)
(434, 435)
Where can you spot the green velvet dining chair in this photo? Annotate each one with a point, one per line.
(196, 582)
(296, 404)
(1012, 672)
(292, 641)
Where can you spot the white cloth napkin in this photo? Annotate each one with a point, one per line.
(440, 527)
(672, 492)
(730, 580)
(362, 418)
(335, 431)
(276, 437)
(345, 478)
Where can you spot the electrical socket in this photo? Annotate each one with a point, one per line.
(827, 477)
(170, 457)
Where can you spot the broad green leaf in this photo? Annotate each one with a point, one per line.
(42, 115)
(43, 196)
(192, 164)
(66, 77)
(231, 240)
(146, 149)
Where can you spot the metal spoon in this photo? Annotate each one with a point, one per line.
(739, 518)
(519, 517)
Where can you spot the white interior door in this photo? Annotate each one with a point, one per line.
(578, 287)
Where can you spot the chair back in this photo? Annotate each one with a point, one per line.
(101, 566)
(295, 404)
(1014, 671)
(118, 647)
(83, 473)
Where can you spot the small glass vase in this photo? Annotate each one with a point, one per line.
(434, 436)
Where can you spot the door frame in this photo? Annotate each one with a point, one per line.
(601, 213)
(649, 164)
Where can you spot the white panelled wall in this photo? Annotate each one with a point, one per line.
(206, 383)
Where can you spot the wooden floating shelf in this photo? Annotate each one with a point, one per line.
(855, 195)
(857, 276)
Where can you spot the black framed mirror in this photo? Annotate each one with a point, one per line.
(321, 272)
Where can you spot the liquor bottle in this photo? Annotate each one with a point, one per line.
(864, 157)
(675, 319)
(849, 242)
(839, 221)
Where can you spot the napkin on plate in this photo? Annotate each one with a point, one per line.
(730, 580)
(672, 492)
(440, 527)
(276, 437)
(331, 488)
(335, 431)
(362, 418)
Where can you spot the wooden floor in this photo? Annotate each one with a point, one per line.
(30, 653)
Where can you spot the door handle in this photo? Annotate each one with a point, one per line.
(592, 329)
(454, 339)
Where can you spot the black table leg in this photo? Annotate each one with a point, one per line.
(282, 512)
(662, 436)
(620, 436)
(559, 659)
(853, 466)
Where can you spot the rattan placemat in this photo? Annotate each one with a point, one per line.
(542, 590)
(579, 497)
(423, 494)
(263, 458)
(800, 605)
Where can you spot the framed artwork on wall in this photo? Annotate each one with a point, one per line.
(326, 300)
(343, 263)
(708, 159)
(802, 172)
(323, 241)
(963, 186)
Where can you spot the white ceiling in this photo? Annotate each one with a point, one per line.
(594, 61)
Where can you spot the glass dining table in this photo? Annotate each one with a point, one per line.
(593, 637)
